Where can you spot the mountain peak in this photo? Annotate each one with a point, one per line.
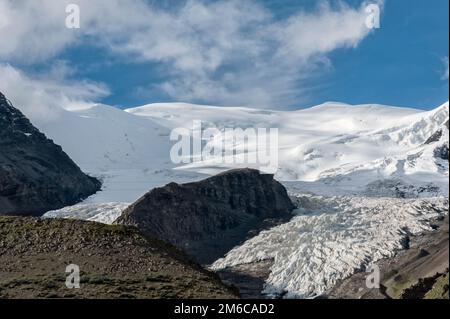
(3, 100)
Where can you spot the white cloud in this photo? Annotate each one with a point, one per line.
(220, 52)
(32, 30)
(307, 34)
(43, 97)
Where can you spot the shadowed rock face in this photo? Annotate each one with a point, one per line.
(35, 174)
(442, 151)
(208, 218)
(435, 137)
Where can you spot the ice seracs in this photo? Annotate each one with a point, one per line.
(332, 238)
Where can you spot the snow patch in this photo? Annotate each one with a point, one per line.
(105, 213)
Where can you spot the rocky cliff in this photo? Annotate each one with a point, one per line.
(35, 174)
(208, 218)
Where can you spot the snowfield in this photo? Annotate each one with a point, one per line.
(363, 176)
(347, 146)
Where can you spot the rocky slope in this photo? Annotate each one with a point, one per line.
(114, 261)
(35, 174)
(208, 218)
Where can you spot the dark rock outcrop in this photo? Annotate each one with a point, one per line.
(208, 218)
(435, 137)
(442, 152)
(35, 174)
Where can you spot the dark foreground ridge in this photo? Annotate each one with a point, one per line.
(208, 218)
(114, 262)
(35, 174)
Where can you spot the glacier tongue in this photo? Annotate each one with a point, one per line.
(331, 238)
(105, 213)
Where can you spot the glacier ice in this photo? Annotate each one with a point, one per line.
(331, 238)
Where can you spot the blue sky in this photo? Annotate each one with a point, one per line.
(403, 63)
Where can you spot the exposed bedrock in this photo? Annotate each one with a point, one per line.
(208, 218)
(35, 174)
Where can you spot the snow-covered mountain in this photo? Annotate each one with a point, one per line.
(365, 178)
(349, 144)
(129, 153)
(331, 148)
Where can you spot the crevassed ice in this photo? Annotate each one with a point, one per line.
(332, 238)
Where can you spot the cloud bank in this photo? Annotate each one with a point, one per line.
(217, 52)
(43, 98)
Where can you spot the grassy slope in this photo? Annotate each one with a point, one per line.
(115, 262)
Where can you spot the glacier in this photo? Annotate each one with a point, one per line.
(331, 238)
(365, 177)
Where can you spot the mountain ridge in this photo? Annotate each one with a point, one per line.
(35, 174)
